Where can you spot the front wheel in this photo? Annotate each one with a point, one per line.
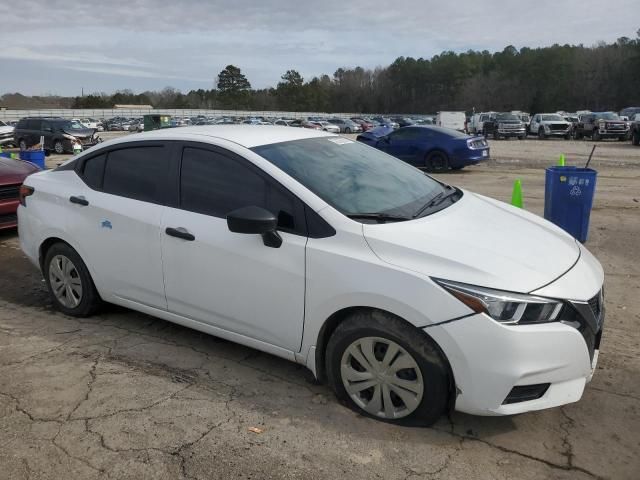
(69, 282)
(58, 147)
(521, 137)
(22, 144)
(496, 135)
(595, 136)
(635, 139)
(347, 130)
(436, 162)
(387, 369)
(541, 134)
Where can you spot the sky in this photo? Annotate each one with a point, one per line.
(64, 46)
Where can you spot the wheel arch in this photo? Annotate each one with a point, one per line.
(336, 318)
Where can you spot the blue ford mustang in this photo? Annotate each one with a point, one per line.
(435, 149)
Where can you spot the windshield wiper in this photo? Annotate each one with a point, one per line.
(379, 217)
(437, 200)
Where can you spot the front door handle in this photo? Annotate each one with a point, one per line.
(180, 233)
(79, 200)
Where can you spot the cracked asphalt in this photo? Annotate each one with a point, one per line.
(123, 395)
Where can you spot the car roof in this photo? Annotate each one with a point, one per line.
(248, 136)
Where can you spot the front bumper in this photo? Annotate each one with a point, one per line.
(511, 132)
(8, 216)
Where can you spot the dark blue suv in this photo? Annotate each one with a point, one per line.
(435, 149)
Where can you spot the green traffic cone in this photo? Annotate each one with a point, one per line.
(516, 196)
(561, 160)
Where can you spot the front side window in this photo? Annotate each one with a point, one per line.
(137, 172)
(214, 184)
(352, 177)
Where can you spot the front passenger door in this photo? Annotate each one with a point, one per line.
(228, 280)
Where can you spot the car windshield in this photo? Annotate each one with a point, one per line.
(352, 177)
(71, 125)
(552, 118)
(506, 116)
(607, 116)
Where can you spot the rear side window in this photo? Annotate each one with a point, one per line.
(213, 184)
(137, 172)
(92, 171)
(33, 124)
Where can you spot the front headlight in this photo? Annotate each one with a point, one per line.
(504, 307)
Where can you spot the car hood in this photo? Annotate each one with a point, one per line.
(479, 241)
(80, 132)
(14, 171)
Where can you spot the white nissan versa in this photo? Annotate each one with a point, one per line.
(407, 295)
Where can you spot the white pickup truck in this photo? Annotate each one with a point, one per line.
(547, 125)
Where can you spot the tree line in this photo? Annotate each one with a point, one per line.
(559, 77)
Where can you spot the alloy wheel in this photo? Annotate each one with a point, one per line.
(381, 377)
(65, 281)
(58, 147)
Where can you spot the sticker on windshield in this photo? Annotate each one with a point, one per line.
(340, 140)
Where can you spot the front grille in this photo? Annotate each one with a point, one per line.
(587, 318)
(615, 126)
(558, 127)
(8, 219)
(9, 192)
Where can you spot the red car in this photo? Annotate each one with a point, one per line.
(366, 126)
(12, 174)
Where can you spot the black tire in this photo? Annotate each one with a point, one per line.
(90, 301)
(58, 147)
(635, 139)
(347, 130)
(541, 134)
(430, 360)
(496, 135)
(521, 137)
(437, 161)
(595, 136)
(22, 144)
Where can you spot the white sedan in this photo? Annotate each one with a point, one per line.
(407, 295)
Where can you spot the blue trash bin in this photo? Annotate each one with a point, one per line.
(568, 198)
(37, 157)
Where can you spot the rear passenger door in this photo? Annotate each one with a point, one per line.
(229, 280)
(119, 226)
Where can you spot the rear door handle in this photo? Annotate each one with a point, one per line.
(79, 200)
(180, 233)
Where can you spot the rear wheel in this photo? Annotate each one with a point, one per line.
(436, 162)
(386, 369)
(69, 281)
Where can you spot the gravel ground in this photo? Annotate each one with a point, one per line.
(124, 395)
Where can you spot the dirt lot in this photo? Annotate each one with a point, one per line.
(124, 395)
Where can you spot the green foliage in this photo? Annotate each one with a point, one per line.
(233, 88)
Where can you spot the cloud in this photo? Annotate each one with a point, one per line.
(188, 42)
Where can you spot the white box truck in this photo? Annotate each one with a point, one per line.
(454, 120)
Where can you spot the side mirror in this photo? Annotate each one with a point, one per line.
(255, 221)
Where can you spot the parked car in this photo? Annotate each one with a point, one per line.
(59, 134)
(403, 121)
(410, 297)
(6, 134)
(475, 126)
(504, 125)
(12, 174)
(630, 112)
(550, 125)
(453, 120)
(601, 125)
(635, 130)
(435, 149)
(386, 122)
(364, 124)
(346, 125)
(328, 127)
